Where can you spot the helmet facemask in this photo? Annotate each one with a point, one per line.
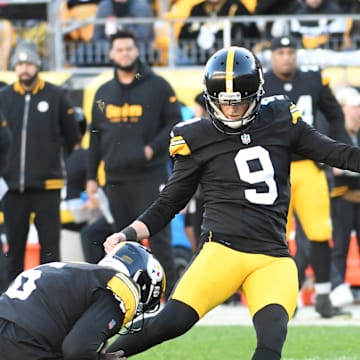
(213, 105)
(152, 283)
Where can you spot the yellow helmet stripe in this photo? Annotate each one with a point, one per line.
(230, 70)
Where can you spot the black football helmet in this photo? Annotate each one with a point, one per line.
(137, 262)
(233, 75)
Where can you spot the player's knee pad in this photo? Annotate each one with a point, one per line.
(271, 328)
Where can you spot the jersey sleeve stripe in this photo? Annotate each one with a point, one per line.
(295, 113)
(178, 146)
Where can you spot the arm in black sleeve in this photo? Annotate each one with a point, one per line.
(313, 145)
(99, 322)
(5, 141)
(170, 115)
(176, 194)
(333, 112)
(69, 126)
(94, 151)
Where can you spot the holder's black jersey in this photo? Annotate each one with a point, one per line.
(244, 177)
(63, 305)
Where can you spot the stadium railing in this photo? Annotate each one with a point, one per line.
(87, 57)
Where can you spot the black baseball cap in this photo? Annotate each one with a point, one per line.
(283, 41)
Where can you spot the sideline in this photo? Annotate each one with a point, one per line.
(239, 315)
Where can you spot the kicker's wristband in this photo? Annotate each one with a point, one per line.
(130, 233)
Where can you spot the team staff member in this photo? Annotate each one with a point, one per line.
(67, 311)
(345, 200)
(132, 117)
(40, 117)
(310, 198)
(241, 157)
(5, 140)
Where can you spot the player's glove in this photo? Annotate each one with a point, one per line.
(118, 355)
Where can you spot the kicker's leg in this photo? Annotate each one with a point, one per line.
(173, 320)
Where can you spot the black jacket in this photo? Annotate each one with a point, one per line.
(43, 129)
(125, 118)
(5, 141)
(226, 8)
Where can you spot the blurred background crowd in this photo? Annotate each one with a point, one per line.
(178, 32)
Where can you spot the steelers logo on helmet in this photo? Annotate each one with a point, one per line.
(233, 76)
(137, 262)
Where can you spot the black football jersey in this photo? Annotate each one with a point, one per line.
(349, 180)
(55, 301)
(244, 177)
(310, 91)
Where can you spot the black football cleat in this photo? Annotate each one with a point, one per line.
(326, 310)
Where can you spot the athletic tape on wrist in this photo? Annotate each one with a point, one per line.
(130, 233)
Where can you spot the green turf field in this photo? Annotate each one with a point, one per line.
(238, 342)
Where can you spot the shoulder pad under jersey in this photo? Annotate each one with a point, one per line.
(278, 105)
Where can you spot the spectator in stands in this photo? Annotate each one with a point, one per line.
(166, 32)
(132, 116)
(6, 37)
(24, 11)
(346, 5)
(40, 117)
(80, 10)
(345, 201)
(275, 7)
(202, 38)
(29, 22)
(112, 10)
(352, 27)
(321, 32)
(179, 9)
